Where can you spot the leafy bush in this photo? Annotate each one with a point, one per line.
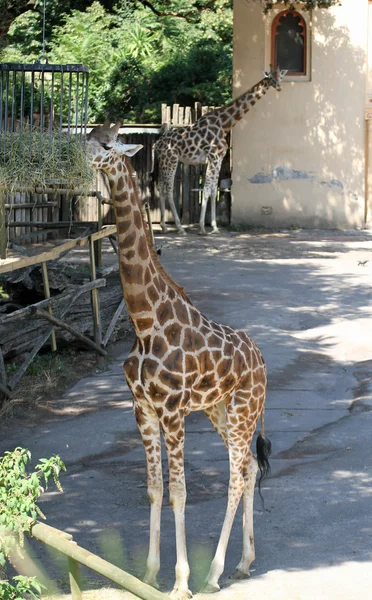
(19, 492)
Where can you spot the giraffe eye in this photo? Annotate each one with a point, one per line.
(106, 146)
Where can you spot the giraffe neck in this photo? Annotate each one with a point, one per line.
(143, 278)
(234, 111)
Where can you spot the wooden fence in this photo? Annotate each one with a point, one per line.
(58, 208)
(62, 304)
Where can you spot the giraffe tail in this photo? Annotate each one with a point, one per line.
(263, 448)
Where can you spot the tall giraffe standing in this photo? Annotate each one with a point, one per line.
(181, 362)
(205, 143)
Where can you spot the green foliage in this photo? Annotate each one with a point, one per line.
(25, 587)
(305, 5)
(19, 492)
(136, 59)
(140, 53)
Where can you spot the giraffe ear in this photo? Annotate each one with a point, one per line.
(132, 149)
(127, 149)
(266, 74)
(283, 73)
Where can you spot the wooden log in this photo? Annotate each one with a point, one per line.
(40, 532)
(18, 332)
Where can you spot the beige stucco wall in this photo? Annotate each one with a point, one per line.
(303, 149)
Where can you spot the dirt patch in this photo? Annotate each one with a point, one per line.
(47, 378)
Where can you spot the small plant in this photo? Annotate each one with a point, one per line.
(19, 492)
(2, 293)
(241, 227)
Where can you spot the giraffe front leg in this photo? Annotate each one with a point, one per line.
(148, 424)
(174, 441)
(210, 191)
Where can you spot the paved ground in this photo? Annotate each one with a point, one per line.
(305, 298)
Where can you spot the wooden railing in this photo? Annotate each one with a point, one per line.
(45, 308)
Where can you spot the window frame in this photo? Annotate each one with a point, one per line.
(274, 25)
(272, 18)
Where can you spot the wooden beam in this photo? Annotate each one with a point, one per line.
(37, 312)
(11, 264)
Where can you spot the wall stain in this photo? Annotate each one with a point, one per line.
(281, 173)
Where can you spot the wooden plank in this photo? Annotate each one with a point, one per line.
(11, 264)
(112, 323)
(175, 114)
(47, 295)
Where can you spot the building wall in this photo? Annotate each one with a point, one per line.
(299, 155)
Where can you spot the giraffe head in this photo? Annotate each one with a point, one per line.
(275, 76)
(104, 150)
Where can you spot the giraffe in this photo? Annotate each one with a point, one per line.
(181, 362)
(205, 143)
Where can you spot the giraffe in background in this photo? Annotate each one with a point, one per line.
(205, 143)
(181, 362)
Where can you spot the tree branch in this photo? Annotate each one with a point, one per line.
(188, 16)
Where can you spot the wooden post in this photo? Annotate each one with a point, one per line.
(2, 226)
(75, 579)
(47, 295)
(98, 244)
(95, 297)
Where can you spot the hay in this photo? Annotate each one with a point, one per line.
(48, 161)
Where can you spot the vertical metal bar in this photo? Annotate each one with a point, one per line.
(86, 110)
(51, 114)
(60, 118)
(22, 104)
(6, 111)
(41, 124)
(13, 106)
(32, 106)
(1, 99)
(76, 103)
(75, 579)
(47, 295)
(95, 298)
(69, 110)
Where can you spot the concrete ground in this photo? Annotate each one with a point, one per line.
(305, 298)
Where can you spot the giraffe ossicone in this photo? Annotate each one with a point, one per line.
(181, 362)
(205, 143)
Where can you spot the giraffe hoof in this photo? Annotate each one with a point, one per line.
(238, 574)
(182, 231)
(210, 588)
(215, 231)
(178, 594)
(202, 232)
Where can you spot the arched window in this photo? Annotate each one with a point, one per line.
(288, 42)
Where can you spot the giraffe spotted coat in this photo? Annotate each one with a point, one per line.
(181, 362)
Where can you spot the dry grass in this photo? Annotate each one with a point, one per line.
(45, 162)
